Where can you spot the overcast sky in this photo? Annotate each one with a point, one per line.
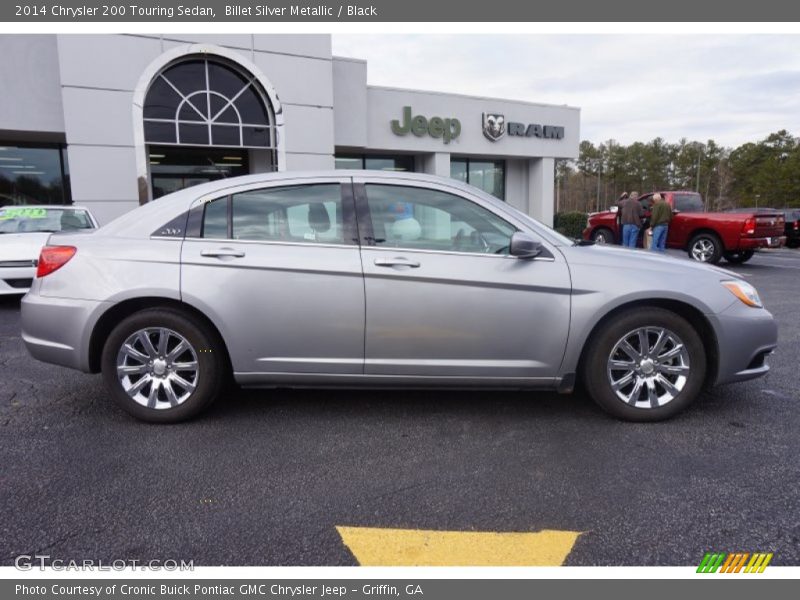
(731, 88)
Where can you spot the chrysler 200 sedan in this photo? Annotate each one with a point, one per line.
(383, 280)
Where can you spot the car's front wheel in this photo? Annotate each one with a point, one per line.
(162, 366)
(646, 364)
(603, 235)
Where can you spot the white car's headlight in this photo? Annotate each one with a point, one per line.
(744, 292)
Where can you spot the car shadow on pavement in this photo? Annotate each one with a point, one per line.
(10, 302)
(251, 404)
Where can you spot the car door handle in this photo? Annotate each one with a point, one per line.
(222, 253)
(398, 261)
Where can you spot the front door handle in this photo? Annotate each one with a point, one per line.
(397, 261)
(222, 253)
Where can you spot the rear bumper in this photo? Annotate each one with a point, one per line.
(16, 280)
(762, 242)
(746, 337)
(58, 330)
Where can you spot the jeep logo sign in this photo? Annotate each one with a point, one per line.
(436, 127)
(495, 127)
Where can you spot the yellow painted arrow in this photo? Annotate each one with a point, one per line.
(417, 547)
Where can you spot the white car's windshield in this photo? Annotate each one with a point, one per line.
(32, 219)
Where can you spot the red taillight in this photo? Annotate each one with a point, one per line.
(53, 258)
(796, 225)
(749, 226)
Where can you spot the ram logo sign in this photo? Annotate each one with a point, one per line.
(495, 127)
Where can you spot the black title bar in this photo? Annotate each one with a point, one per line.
(463, 11)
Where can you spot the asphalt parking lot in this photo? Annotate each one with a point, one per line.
(266, 477)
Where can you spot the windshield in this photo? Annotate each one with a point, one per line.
(32, 219)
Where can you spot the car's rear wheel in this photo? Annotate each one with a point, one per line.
(603, 236)
(646, 364)
(705, 247)
(738, 258)
(162, 366)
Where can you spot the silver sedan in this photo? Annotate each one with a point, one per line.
(383, 280)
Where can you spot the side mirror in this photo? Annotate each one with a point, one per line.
(523, 245)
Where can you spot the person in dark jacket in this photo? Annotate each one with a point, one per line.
(660, 216)
(622, 197)
(631, 220)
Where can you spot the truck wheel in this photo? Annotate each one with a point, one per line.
(705, 247)
(738, 258)
(163, 366)
(603, 235)
(646, 364)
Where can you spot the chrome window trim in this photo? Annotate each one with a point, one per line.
(266, 242)
(453, 253)
(352, 246)
(241, 188)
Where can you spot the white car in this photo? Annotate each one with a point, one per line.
(23, 232)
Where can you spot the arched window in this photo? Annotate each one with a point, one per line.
(205, 102)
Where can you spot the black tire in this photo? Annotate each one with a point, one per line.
(603, 235)
(708, 241)
(209, 378)
(599, 351)
(737, 258)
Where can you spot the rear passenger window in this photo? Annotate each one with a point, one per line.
(689, 203)
(304, 214)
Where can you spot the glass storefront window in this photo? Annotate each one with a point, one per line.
(375, 162)
(175, 168)
(349, 162)
(33, 174)
(203, 102)
(458, 170)
(488, 175)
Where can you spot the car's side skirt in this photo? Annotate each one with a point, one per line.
(303, 380)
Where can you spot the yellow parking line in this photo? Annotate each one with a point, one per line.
(374, 546)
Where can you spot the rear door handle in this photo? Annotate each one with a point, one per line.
(397, 261)
(222, 253)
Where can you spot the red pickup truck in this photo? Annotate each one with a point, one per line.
(706, 236)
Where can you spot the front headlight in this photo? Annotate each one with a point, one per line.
(744, 292)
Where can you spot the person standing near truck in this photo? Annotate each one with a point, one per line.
(631, 220)
(660, 216)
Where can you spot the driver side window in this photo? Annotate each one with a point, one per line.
(422, 219)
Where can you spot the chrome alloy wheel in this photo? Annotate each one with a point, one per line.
(648, 367)
(157, 368)
(703, 250)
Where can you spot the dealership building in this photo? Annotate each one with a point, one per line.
(113, 121)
